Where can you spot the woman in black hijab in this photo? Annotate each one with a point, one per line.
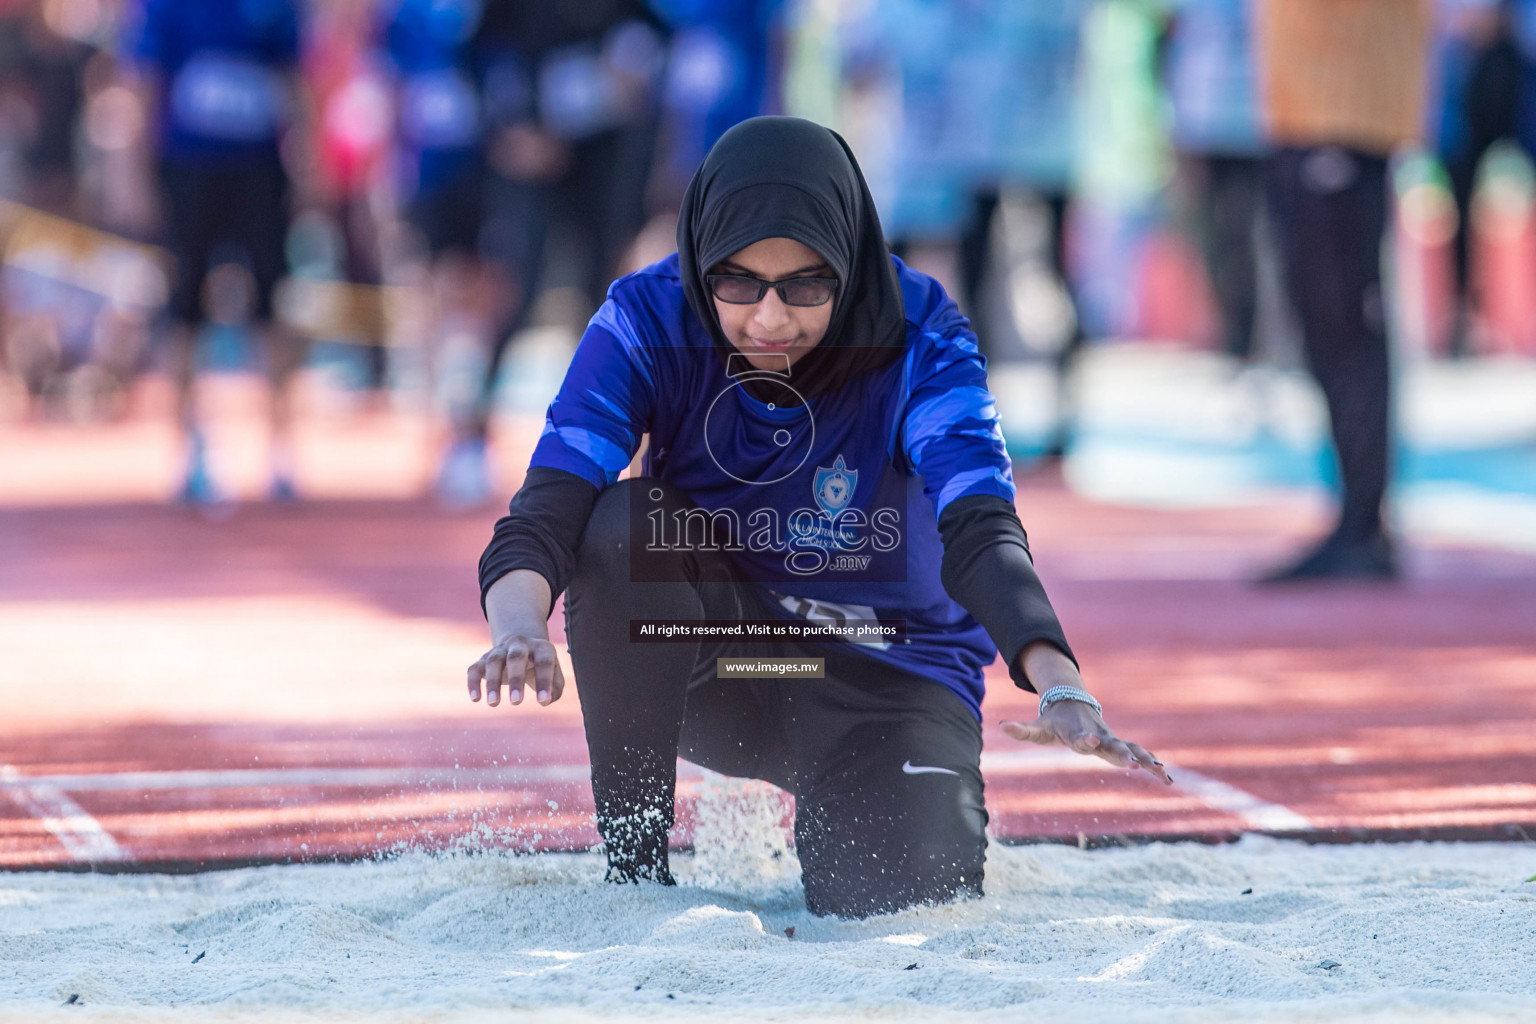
(826, 496)
(786, 177)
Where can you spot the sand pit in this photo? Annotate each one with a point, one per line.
(1260, 930)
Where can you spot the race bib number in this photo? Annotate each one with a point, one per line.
(833, 614)
(224, 97)
(576, 93)
(439, 110)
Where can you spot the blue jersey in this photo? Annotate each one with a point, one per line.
(1212, 82)
(224, 66)
(1011, 104)
(832, 506)
(717, 74)
(440, 116)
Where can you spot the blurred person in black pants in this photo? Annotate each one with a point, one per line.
(1330, 205)
(221, 82)
(1212, 88)
(570, 96)
(1344, 87)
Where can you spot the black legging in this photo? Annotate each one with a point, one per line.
(975, 252)
(1330, 212)
(1230, 204)
(602, 201)
(873, 834)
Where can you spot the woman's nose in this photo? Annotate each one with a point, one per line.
(771, 311)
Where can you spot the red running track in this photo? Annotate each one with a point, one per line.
(288, 684)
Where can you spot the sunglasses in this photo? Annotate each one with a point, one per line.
(740, 290)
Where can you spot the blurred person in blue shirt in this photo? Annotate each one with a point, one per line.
(905, 50)
(441, 186)
(568, 100)
(439, 121)
(722, 67)
(222, 84)
(1213, 92)
(1012, 124)
(953, 105)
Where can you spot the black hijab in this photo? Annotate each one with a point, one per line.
(784, 177)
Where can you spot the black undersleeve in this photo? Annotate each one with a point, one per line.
(988, 570)
(540, 531)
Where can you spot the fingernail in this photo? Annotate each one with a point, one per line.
(517, 697)
(543, 696)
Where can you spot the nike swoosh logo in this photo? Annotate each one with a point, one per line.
(922, 769)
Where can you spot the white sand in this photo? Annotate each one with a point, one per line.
(1158, 933)
(1140, 934)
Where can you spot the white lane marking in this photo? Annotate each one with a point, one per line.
(924, 769)
(44, 796)
(80, 834)
(261, 778)
(1028, 759)
(1259, 815)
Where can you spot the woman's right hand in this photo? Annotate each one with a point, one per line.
(517, 661)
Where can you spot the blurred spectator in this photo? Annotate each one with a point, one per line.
(1012, 122)
(40, 100)
(353, 132)
(1124, 161)
(442, 189)
(72, 329)
(1213, 92)
(722, 68)
(221, 80)
(41, 95)
(1484, 77)
(897, 58)
(965, 117)
(571, 95)
(1343, 86)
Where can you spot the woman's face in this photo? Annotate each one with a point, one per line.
(768, 330)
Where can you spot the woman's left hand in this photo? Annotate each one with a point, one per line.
(1075, 724)
(1071, 722)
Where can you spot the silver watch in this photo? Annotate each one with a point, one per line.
(1061, 693)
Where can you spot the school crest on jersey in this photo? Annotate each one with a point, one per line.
(833, 487)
